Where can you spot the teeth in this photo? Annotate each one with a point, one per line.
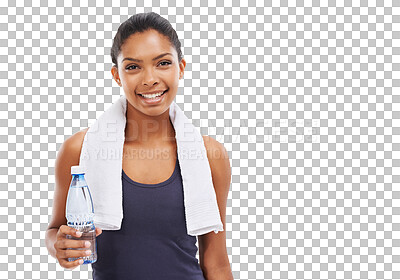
(152, 95)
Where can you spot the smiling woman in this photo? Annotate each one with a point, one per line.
(153, 242)
(148, 68)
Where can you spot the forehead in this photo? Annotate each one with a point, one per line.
(146, 45)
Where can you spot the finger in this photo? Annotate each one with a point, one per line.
(65, 254)
(71, 265)
(64, 230)
(63, 244)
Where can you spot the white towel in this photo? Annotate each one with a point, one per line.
(101, 156)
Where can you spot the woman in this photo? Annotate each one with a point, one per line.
(152, 242)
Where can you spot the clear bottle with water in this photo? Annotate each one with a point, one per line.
(80, 213)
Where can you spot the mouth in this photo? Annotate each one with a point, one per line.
(153, 97)
(152, 100)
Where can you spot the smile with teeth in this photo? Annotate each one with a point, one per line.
(152, 96)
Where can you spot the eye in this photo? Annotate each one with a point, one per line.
(165, 62)
(129, 67)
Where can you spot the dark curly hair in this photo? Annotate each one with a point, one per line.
(140, 23)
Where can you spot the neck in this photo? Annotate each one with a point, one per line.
(147, 130)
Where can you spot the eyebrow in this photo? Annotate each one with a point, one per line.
(138, 60)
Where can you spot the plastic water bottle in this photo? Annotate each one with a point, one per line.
(80, 213)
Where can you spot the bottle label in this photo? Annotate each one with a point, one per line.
(81, 226)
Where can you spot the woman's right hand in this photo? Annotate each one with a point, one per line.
(62, 243)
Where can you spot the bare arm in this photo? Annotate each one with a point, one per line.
(56, 242)
(214, 259)
(67, 156)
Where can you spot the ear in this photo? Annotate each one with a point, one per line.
(182, 66)
(114, 72)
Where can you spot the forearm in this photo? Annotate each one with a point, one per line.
(222, 273)
(50, 240)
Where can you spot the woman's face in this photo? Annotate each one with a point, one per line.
(148, 62)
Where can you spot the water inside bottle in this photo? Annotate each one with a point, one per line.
(87, 235)
(80, 216)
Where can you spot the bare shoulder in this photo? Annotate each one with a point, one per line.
(71, 148)
(218, 159)
(77, 138)
(215, 150)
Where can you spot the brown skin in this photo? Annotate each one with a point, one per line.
(148, 125)
(214, 259)
(137, 77)
(56, 241)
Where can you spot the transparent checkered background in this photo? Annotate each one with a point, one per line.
(304, 98)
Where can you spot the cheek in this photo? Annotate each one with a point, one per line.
(172, 75)
(129, 83)
(173, 72)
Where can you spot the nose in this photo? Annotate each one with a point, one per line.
(149, 78)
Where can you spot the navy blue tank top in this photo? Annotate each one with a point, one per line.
(152, 243)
